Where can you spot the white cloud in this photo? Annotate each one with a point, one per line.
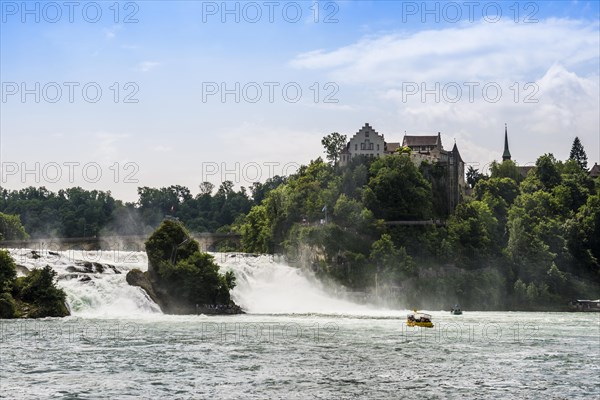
(146, 66)
(559, 57)
(465, 52)
(107, 146)
(111, 33)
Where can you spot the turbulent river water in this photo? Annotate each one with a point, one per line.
(297, 341)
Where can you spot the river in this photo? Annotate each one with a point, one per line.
(297, 341)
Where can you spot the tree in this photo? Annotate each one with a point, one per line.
(473, 176)
(8, 271)
(40, 291)
(505, 169)
(547, 171)
(399, 190)
(11, 228)
(206, 188)
(578, 154)
(391, 262)
(256, 231)
(334, 144)
(471, 230)
(182, 275)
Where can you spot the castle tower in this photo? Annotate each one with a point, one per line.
(506, 154)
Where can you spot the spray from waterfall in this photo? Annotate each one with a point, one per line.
(95, 284)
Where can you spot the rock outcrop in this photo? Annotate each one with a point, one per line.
(180, 278)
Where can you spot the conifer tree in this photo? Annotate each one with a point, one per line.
(578, 154)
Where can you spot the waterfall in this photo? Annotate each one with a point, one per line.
(268, 286)
(95, 284)
(94, 281)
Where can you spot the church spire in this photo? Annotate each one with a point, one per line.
(506, 154)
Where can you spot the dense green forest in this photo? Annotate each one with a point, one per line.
(76, 212)
(515, 242)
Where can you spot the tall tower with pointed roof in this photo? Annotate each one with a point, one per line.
(506, 154)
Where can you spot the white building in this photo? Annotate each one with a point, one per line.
(424, 148)
(366, 142)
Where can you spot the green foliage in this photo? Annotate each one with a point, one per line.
(39, 290)
(473, 176)
(547, 171)
(505, 169)
(11, 228)
(8, 306)
(350, 213)
(76, 212)
(180, 269)
(399, 190)
(333, 143)
(34, 295)
(471, 231)
(196, 280)
(584, 238)
(8, 271)
(169, 244)
(403, 150)
(499, 194)
(526, 244)
(394, 264)
(578, 154)
(256, 231)
(260, 190)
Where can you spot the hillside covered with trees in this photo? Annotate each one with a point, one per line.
(515, 242)
(76, 212)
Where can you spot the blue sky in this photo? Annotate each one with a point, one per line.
(401, 66)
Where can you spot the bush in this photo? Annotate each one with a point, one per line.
(7, 271)
(8, 307)
(39, 290)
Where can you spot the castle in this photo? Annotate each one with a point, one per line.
(368, 142)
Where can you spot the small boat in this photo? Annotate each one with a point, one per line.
(456, 310)
(419, 319)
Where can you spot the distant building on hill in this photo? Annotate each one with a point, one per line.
(506, 155)
(523, 169)
(365, 142)
(429, 149)
(368, 142)
(595, 171)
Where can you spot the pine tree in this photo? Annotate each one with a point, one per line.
(578, 154)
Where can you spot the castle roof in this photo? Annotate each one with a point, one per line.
(595, 171)
(455, 151)
(392, 147)
(420, 140)
(367, 129)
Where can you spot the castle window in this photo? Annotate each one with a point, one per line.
(355, 147)
(362, 146)
(377, 147)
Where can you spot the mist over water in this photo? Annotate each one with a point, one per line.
(268, 286)
(297, 341)
(94, 281)
(96, 286)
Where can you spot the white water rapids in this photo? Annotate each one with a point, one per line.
(297, 341)
(96, 287)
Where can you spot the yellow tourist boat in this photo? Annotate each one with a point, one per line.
(419, 319)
